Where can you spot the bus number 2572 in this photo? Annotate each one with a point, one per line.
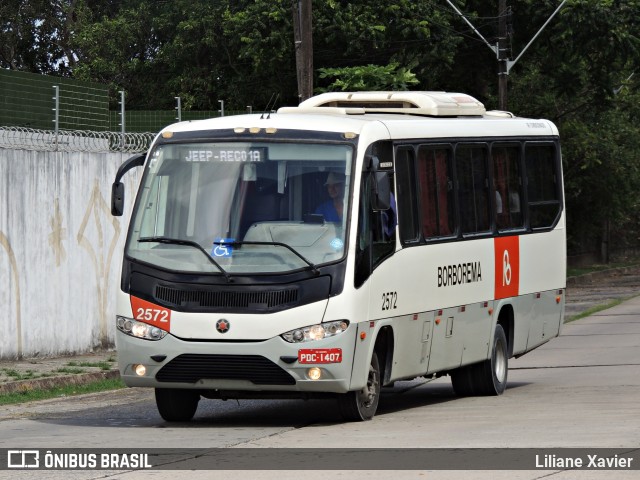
(389, 300)
(152, 315)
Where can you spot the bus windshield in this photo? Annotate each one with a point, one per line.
(246, 207)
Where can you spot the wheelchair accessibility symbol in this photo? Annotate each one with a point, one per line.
(221, 248)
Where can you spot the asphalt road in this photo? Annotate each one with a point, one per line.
(581, 390)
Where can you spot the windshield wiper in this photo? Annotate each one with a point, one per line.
(313, 268)
(189, 243)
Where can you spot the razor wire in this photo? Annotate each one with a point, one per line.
(24, 138)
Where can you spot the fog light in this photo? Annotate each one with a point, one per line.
(314, 373)
(140, 370)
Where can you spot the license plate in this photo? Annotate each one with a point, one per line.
(320, 355)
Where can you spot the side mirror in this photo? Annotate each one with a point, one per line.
(117, 189)
(117, 199)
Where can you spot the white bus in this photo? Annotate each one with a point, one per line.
(337, 247)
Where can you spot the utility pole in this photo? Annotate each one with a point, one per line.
(303, 39)
(502, 54)
(500, 49)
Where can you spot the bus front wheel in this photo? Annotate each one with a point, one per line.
(175, 405)
(362, 404)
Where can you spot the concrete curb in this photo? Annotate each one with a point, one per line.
(59, 381)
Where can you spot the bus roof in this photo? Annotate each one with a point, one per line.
(404, 114)
(435, 104)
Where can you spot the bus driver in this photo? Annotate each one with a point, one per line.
(332, 208)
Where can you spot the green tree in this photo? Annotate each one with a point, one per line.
(415, 35)
(35, 35)
(242, 51)
(199, 50)
(368, 77)
(117, 44)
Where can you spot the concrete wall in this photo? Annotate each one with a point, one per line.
(60, 250)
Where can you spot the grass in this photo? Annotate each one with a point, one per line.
(101, 365)
(577, 271)
(70, 370)
(596, 309)
(31, 394)
(16, 375)
(599, 308)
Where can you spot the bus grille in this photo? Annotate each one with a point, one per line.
(190, 367)
(227, 299)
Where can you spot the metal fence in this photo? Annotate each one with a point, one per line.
(44, 102)
(22, 138)
(156, 120)
(46, 113)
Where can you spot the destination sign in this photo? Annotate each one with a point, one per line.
(216, 153)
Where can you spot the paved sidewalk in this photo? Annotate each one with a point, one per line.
(583, 293)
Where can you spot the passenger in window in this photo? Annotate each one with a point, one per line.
(514, 209)
(514, 202)
(332, 208)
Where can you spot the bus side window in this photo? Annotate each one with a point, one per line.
(406, 194)
(507, 181)
(473, 188)
(435, 176)
(363, 245)
(376, 229)
(542, 185)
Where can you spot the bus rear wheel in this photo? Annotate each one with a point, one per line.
(175, 405)
(362, 404)
(492, 378)
(488, 377)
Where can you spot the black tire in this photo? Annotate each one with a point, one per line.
(493, 372)
(462, 381)
(488, 377)
(175, 405)
(362, 404)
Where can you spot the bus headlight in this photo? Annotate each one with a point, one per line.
(138, 329)
(316, 332)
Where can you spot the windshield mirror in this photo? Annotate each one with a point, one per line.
(220, 195)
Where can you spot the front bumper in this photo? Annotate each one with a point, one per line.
(267, 366)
